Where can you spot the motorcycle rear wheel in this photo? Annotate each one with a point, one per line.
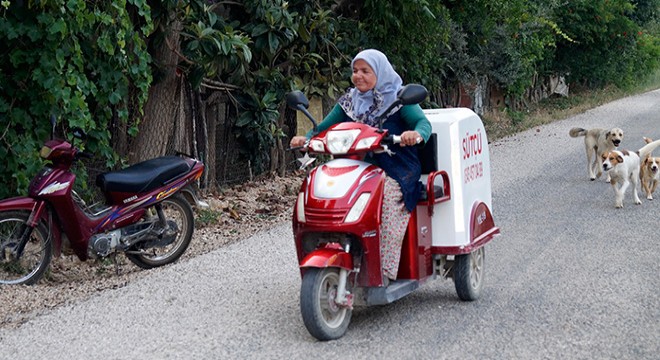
(323, 318)
(178, 211)
(33, 263)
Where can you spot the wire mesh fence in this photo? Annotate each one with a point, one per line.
(203, 127)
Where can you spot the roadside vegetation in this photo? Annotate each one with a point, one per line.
(502, 123)
(128, 71)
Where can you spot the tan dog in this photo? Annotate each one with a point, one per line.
(649, 173)
(596, 142)
(623, 167)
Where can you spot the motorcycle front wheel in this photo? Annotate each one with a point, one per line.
(158, 252)
(36, 256)
(323, 317)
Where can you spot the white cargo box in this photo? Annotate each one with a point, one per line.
(464, 222)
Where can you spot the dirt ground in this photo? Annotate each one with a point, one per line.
(235, 213)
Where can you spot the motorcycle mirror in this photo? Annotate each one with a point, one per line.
(298, 101)
(412, 94)
(53, 121)
(78, 133)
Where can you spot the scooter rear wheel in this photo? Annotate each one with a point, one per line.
(469, 275)
(323, 318)
(34, 261)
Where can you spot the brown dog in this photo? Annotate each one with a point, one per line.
(649, 173)
(596, 142)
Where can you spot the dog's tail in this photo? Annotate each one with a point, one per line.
(575, 132)
(647, 149)
(647, 140)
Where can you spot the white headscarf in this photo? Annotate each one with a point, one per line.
(365, 107)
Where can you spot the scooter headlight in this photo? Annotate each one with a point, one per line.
(358, 208)
(340, 141)
(317, 145)
(300, 207)
(365, 143)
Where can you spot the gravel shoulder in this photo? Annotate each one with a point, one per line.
(236, 213)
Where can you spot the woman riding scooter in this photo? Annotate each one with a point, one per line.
(376, 87)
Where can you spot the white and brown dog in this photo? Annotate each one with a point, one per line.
(623, 167)
(596, 142)
(649, 173)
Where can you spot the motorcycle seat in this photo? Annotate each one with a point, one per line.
(143, 176)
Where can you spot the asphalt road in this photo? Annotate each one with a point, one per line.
(571, 277)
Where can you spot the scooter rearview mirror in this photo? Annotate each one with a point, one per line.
(296, 98)
(298, 101)
(412, 94)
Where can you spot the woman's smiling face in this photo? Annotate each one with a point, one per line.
(363, 77)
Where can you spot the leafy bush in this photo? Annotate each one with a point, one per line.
(77, 60)
(606, 49)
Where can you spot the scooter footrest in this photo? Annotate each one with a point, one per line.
(395, 291)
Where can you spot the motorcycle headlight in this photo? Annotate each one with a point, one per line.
(358, 208)
(45, 152)
(340, 141)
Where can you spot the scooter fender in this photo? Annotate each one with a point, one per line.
(37, 208)
(18, 203)
(322, 258)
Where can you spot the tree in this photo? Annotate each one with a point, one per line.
(607, 47)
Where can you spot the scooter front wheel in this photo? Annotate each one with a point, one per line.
(323, 317)
(31, 265)
(469, 274)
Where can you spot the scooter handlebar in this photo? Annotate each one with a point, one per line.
(396, 139)
(391, 139)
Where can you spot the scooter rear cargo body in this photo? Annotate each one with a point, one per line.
(464, 222)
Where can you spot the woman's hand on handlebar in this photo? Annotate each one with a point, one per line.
(297, 141)
(410, 138)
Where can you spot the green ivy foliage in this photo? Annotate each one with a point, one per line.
(76, 60)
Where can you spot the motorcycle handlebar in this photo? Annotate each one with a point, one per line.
(86, 155)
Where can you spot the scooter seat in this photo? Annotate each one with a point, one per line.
(438, 192)
(143, 176)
